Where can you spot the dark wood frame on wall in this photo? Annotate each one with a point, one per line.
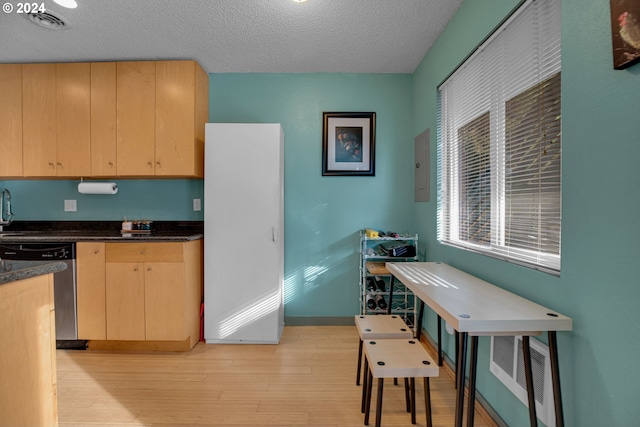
(348, 144)
(625, 32)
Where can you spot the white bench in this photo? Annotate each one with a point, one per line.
(379, 326)
(398, 358)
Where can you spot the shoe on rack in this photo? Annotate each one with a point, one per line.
(381, 302)
(371, 284)
(371, 302)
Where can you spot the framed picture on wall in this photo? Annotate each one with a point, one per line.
(625, 32)
(348, 144)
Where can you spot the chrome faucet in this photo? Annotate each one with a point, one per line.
(5, 200)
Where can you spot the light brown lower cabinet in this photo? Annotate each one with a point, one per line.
(164, 316)
(140, 295)
(28, 353)
(125, 301)
(91, 295)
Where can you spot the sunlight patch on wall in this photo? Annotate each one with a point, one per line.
(311, 275)
(307, 278)
(290, 287)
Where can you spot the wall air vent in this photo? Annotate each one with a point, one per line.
(508, 366)
(48, 20)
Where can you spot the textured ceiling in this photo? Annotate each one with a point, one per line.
(228, 36)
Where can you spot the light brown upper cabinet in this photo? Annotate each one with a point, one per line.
(73, 119)
(56, 121)
(135, 113)
(161, 111)
(103, 119)
(130, 119)
(182, 109)
(11, 120)
(39, 119)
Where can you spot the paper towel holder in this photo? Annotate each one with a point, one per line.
(97, 187)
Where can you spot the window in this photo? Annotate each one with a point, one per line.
(499, 143)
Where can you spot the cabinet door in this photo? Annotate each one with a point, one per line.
(135, 115)
(39, 119)
(175, 112)
(73, 122)
(202, 117)
(125, 301)
(253, 212)
(11, 120)
(103, 119)
(27, 355)
(164, 306)
(91, 291)
(193, 287)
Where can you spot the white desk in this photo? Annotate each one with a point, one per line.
(474, 307)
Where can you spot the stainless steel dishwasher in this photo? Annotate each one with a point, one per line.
(64, 284)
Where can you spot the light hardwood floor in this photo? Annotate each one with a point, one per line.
(307, 380)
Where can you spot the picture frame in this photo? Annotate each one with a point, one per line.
(625, 27)
(348, 144)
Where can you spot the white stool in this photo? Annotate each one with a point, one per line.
(393, 358)
(380, 326)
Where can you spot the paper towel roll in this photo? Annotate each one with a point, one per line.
(97, 188)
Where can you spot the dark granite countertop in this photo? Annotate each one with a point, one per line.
(79, 231)
(11, 271)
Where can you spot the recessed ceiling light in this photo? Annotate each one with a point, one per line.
(69, 4)
(299, 1)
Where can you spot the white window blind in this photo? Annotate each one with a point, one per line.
(499, 151)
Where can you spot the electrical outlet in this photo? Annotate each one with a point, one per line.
(70, 206)
(197, 205)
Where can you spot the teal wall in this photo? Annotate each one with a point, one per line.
(323, 214)
(598, 286)
(159, 200)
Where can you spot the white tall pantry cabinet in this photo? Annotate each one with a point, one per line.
(244, 233)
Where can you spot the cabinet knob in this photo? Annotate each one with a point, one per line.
(159, 164)
(150, 164)
(135, 268)
(110, 164)
(96, 252)
(51, 164)
(148, 268)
